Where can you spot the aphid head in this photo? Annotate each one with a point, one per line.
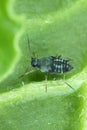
(35, 62)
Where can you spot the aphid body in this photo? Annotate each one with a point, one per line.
(51, 64)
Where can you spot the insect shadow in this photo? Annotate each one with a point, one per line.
(52, 65)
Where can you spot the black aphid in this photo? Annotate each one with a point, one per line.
(50, 64)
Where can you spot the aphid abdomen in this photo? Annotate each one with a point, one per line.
(60, 66)
(67, 68)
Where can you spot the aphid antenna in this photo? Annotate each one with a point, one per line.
(29, 47)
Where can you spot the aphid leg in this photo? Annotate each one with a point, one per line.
(67, 83)
(59, 56)
(23, 83)
(55, 77)
(46, 75)
(25, 73)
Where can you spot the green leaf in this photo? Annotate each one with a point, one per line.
(9, 27)
(56, 27)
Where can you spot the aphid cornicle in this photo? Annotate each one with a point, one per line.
(50, 64)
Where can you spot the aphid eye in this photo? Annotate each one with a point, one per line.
(35, 62)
